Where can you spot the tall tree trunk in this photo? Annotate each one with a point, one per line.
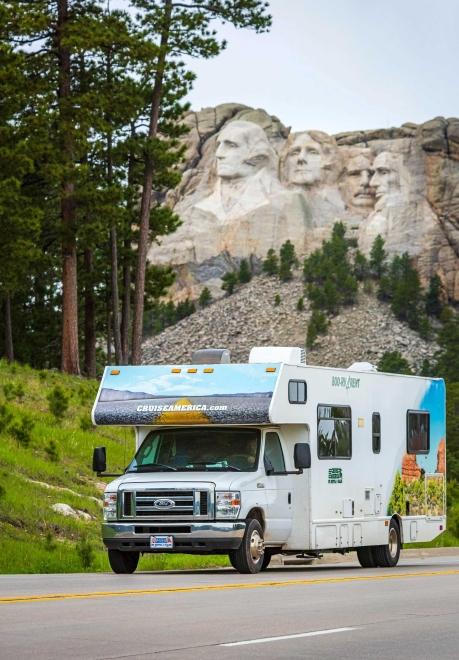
(9, 351)
(89, 317)
(126, 308)
(70, 354)
(145, 206)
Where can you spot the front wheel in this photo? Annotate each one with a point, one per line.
(388, 555)
(248, 558)
(123, 562)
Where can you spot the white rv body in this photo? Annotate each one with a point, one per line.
(362, 475)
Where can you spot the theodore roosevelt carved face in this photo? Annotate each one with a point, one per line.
(242, 150)
(357, 188)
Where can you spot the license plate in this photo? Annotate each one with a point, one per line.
(161, 542)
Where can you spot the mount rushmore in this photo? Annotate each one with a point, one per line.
(249, 184)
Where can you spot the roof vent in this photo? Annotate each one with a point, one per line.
(289, 354)
(362, 366)
(211, 356)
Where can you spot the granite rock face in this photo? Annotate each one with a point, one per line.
(250, 184)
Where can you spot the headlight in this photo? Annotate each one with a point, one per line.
(110, 506)
(228, 504)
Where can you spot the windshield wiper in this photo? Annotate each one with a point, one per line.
(147, 467)
(208, 466)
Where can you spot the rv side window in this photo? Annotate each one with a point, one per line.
(274, 458)
(334, 438)
(297, 391)
(376, 432)
(417, 432)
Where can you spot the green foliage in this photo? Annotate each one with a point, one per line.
(271, 263)
(58, 400)
(452, 430)
(378, 257)
(277, 300)
(244, 273)
(2, 491)
(317, 325)
(447, 358)
(162, 315)
(288, 260)
(393, 362)
(205, 297)
(361, 266)
(433, 298)
(85, 423)
(6, 417)
(229, 281)
(329, 274)
(85, 552)
(52, 451)
(398, 497)
(401, 287)
(22, 429)
(300, 304)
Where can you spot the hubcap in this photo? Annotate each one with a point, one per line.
(393, 542)
(257, 546)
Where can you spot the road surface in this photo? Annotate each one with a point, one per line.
(334, 611)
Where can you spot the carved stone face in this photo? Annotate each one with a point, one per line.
(304, 161)
(360, 194)
(242, 150)
(386, 177)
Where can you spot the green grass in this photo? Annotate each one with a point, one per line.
(34, 538)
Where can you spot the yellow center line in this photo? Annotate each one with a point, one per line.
(34, 598)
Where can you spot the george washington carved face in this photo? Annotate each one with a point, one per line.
(242, 150)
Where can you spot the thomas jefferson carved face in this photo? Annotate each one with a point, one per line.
(358, 190)
(386, 177)
(242, 150)
(303, 164)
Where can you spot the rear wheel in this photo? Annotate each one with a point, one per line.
(248, 558)
(388, 555)
(366, 557)
(123, 562)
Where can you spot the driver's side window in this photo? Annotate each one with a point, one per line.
(274, 458)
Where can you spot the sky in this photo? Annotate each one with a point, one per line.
(340, 65)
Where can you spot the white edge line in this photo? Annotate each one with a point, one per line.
(263, 640)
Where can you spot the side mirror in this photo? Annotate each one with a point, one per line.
(302, 456)
(99, 459)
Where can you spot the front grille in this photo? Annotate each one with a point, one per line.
(185, 504)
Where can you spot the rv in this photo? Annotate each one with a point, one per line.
(273, 456)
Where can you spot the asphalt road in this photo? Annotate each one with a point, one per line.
(327, 611)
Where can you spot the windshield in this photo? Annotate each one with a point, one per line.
(198, 449)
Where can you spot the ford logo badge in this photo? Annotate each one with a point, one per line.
(163, 503)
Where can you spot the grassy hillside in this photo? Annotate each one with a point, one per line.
(44, 461)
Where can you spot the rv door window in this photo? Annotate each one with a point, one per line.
(297, 391)
(418, 432)
(376, 432)
(334, 431)
(274, 458)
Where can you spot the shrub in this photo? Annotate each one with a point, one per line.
(22, 429)
(271, 263)
(42, 375)
(300, 304)
(229, 281)
(50, 542)
(277, 300)
(433, 298)
(9, 391)
(244, 274)
(58, 400)
(318, 325)
(85, 423)
(2, 491)
(52, 450)
(5, 418)
(85, 552)
(393, 362)
(378, 257)
(205, 297)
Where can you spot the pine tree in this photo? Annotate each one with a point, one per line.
(244, 274)
(183, 31)
(378, 257)
(433, 297)
(205, 297)
(229, 281)
(287, 261)
(393, 362)
(271, 263)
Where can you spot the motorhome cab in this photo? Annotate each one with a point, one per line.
(273, 456)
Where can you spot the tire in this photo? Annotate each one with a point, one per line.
(388, 555)
(366, 557)
(248, 558)
(268, 554)
(123, 562)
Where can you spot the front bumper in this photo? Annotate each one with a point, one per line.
(189, 537)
